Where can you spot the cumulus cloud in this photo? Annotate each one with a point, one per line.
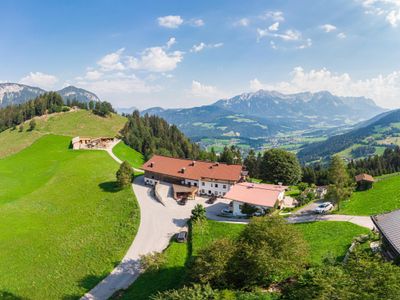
(389, 9)
(170, 21)
(199, 90)
(341, 35)
(307, 43)
(112, 61)
(202, 46)
(328, 27)
(39, 79)
(384, 89)
(93, 75)
(155, 59)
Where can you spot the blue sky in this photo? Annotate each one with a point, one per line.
(186, 53)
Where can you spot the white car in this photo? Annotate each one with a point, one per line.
(226, 211)
(324, 208)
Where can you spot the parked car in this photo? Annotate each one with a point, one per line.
(226, 211)
(324, 208)
(259, 213)
(211, 200)
(181, 237)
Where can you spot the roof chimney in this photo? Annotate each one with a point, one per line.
(151, 164)
(183, 170)
(193, 162)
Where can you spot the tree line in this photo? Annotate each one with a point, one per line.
(150, 135)
(47, 103)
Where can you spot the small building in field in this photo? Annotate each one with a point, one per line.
(79, 143)
(388, 225)
(211, 178)
(260, 196)
(364, 181)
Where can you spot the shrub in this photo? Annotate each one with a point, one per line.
(198, 213)
(32, 125)
(152, 261)
(124, 174)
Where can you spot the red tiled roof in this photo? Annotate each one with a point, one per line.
(364, 177)
(200, 169)
(255, 193)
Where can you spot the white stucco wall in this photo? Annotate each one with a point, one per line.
(149, 181)
(213, 188)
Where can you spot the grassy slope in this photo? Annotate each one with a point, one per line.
(124, 152)
(383, 197)
(71, 124)
(63, 226)
(329, 239)
(325, 239)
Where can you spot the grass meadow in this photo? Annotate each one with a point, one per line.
(64, 224)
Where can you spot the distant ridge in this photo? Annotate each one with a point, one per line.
(16, 93)
(265, 113)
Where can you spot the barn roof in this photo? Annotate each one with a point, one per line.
(364, 177)
(194, 170)
(388, 225)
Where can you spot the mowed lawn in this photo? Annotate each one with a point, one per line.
(64, 225)
(383, 197)
(74, 123)
(124, 152)
(325, 239)
(329, 239)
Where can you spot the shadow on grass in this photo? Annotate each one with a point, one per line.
(110, 187)
(6, 295)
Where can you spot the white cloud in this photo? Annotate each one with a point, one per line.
(171, 42)
(242, 22)
(393, 17)
(328, 27)
(170, 21)
(112, 61)
(390, 9)
(199, 90)
(384, 89)
(93, 75)
(341, 35)
(39, 79)
(202, 46)
(274, 15)
(196, 22)
(156, 59)
(289, 35)
(274, 27)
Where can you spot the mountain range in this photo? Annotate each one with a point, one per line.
(15, 93)
(265, 113)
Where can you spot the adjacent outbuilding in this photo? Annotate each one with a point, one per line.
(261, 196)
(364, 181)
(388, 225)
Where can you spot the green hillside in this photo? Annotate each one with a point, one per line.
(383, 197)
(74, 123)
(64, 224)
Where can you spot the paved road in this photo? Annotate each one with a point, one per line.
(109, 150)
(158, 224)
(363, 221)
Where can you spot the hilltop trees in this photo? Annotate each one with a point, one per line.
(231, 155)
(278, 165)
(153, 135)
(14, 115)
